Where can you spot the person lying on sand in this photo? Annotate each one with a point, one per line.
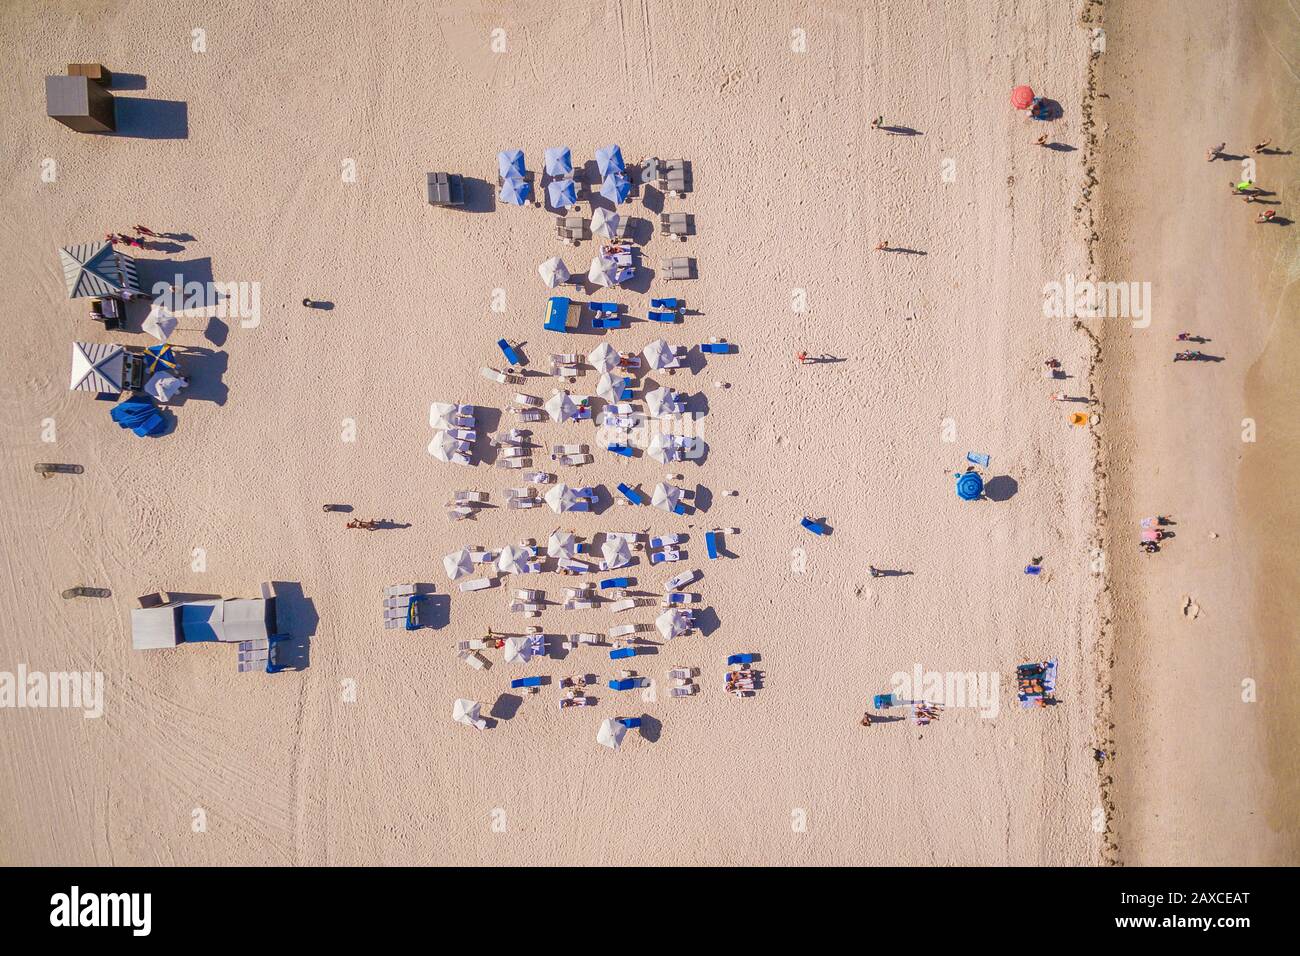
(1214, 152)
(1266, 216)
(1260, 147)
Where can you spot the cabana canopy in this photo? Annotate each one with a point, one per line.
(98, 368)
(230, 621)
(96, 269)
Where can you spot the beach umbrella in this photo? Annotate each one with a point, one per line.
(466, 712)
(604, 357)
(611, 733)
(510, 162)
(661, 402)
(514, 190)
(659, 354)
(458, 564)
(562, 544)
(558, 161)
(673, 622)
(663, 447)
(609, 159)
(441, 414)
(443, 447)
(160, 323)
(616, 551)
(666, 496)
(1021, 97)
(161, 355)
(561, 407)
(969, 486)
(553, 272)
(604, 222)
(561, 498)
(615, 187)
(517, 649)
(163, 386)
(610, 387)
(513, 560)
(563, 193)
(602, 273)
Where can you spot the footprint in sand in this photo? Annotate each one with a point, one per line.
(866, 594)
(1190, 608)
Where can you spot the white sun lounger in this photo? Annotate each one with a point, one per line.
(568, 449)
(528, 401)
(527, 414)
(573, 567)
(573, 459)
(539, 478)
(514, 463)
(519, 607)
(463, 434)
(582, 590)
(505, 378)
(579, 604)
(519, 504)
(471, 645)
(475, 584)
(624, 605)
(471, 497)
(513, 451)
(459, 513)
(622, 630)
(530, 594)
(481, 556)
(585, 638)
(679, 581)
(473, 659)
(687, 691)
(681, 673)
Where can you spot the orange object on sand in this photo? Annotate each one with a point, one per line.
(1079, 418)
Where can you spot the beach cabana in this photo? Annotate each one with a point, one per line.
(445, 189)
(553, 272)
(563, 193)
(514, 190)
(609, 159)
(611, 733)
(562, 315)
(674, 622)
(561, 407)
(602, 272)
(513, 560)
(668, 497)
(604, 222)
(81, 103)
(970, 486)
(604, 357)
(615, 187)
(466, 712)
(616, 551)
(510, 163)
(562, 544)
(659, 355)
(563, 498)
(96, 269)
(98, 368)
(229, 620)
(154, 627)
(558, 161)
(458, 564)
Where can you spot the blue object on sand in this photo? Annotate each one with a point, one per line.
(512, 355)
(679, 509)
(140, 415)
(615, 583)
(631, 723)
(562, 193)
(609, 159)
(740, 659)
(515, 190)
(975, 458)
(526, 682)
(413, 621)
(606, 322)
(622, 652)
(557, 161)
(969, 486)
(711, 543)
(716, 348)
(603, 308)
(615, 187)
(816, 527)
(666, 303)
(1033, 569)
(662, 316)
(557, 315)
(883, 701)
(624, 450)
(627, 683)
(510, 162)
(631, 494)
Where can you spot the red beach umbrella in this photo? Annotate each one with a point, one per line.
(1021, 97)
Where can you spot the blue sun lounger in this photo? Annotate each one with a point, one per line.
(679, 509)
(625, 450)
(711, 543)
(535, 681)
(621, 652)
(631, 494)
(666, 303)
(975, 458)
(658, 557)
(510, 352)
(631, 723)
(662, 316)
(608, 583)
(716, 348)
(816, 527)
(677, 597)
(883, 701)
(740, 659)
(627, 683)
(606, 323)
(603, 308)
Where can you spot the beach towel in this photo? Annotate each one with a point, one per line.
(975, 458)
(711, 543)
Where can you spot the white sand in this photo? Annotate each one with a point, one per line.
(793, 191)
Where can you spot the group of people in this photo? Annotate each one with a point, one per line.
(136, 241)
(742, 680)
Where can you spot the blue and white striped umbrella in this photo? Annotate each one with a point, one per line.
(609, 159)
(563, 193)
(559, 161)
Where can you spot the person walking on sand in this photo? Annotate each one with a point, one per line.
(882, 245)
(145, 231)
(1214, 152)
(1041, 141)
(866, 719)
(801, 357)
(878, 122)
(875, 571)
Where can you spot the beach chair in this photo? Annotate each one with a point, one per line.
(625, 605)
(474, 644)
(534, 681)
(475, 584)
(677, 597)
(529, 610)
(631, 723)
(609, 583)
(668, 555)
(474, 660)
(569, 566)
(568, 449)
(606, 322)
(621, 630)
(716, 348)
(669, 317)
(528, 401)
(585, 637)
(625, 683)
(482, 556)
(603, 308)
(460, 513)
(667, 540)
(570, 229)
(674, 225)
(678, 267)
(471, 497)
(528, 414)
(711, 544)
(513, 451)
(816, 527)
(504, 378)
(686, 690)
(565, 366)
(530, 594)
(672, 304)
(621, 652)
(674, 177)
(679, 581)
(539, 478)
(681, 673)
(574, 459)
(631, 495)
(627, 451)
(463, 434)
(629, 361)
(740, 659)
(579, 604)
(510, 352)
(514, 463)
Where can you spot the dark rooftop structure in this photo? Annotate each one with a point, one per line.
(80, 103)
(446, 189)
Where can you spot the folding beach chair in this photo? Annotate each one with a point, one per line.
(625, 683)
(681, 673)
(474, 659)
(679, 581)
(510, 352)
(816, 527)
(624, 605)
(668, 555)
(716, 348)
(632, 495)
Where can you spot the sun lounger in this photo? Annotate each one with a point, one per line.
(625, 605)
(667, 555)
(669, 317)
(816, 527)
(510, 352)
(711, 544)
(471, 497)
(539, 478)
(677, 582)
(502, 377)
(475, 644)
(603, 308)
(674, 225)
(579, 604)
(666, 540)
(570, 229)
(528, 401)
(586, 637)
(606, 322)
(740, 659)
(534, 681)
(575, 460)
(631, 494)
(459, 513)
(475, 584)
(678, 267)
(520, 607)
(622, 652)
(528, 414)
(608, 583)
(716, 348)
(627, 451)
(463, 434)
(626, 683)
(568, 449)
(513, 451)
(473, 659)
(684, 691)
(672, 304)
(570, 566)
(621, 630)
(530, 594)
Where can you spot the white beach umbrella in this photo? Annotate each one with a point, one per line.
(604, 222)
(666, 496)
(562, 544)
(160, 323)
(659, 402)
(458, 564)
(164, 385)
(616, 551)
(658, 354)
(466, 712)
(443, 446)
(440, 414)
(603, 358)
(553, 272)
(662, 447)
(517, 649)
(561, 498)
(513, 560)
(602, 273)
(561, 407)
(673, 622)
(611, 733)
(610, 387)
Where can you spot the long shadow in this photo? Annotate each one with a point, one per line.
(128, 81)
(139, 117)
(651, 728)
(1060, 147)
(901, 131)
(905, 251)
(506, 706)
(1001, 488)
(480, 195)
(295, 615)
(204, 369)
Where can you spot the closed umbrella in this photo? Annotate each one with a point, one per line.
(513, 560)
(666, 496)
(441, 414)
(561, 407)
(604, 357)
(602, 273)
(561, 498)
(659, 354)
(458, 564)
(673, 622)
(1021, 97)
(160, 323)
(610, 387)
(563, 193)
(611, 733)
(467, 712)
(616, 551)
(609, 159)
(553, 272)
(969, 486)
(604, 222)
(562, 544)
(615, 187)
(510, 162)
(558, 161)
(514, 190)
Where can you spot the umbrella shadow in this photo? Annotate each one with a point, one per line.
(651, 728)
(506, 707)
(1001, 488)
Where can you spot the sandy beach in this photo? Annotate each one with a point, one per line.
(291, 152)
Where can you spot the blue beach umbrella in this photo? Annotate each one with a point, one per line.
(510, 162)
(609, 159)
(969, 486)
(615, 187)
(559, 161)
(514, 190)
(562, 193)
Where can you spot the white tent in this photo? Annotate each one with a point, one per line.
(561, 407)
(553, 272)
(673, 622)
(562, 544)
(604, 357)
(616, 551)
(163, 385)
(666, 496)
(518, 648)
(562, 498)
(659, 354)
(458, 564)
(97, 368)
(445, 448)
(604, 223)
(602, 273)
(160, 323)
(467, 712)
(611, 733)
(610, 387)
(662, 402)
(513, 560)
